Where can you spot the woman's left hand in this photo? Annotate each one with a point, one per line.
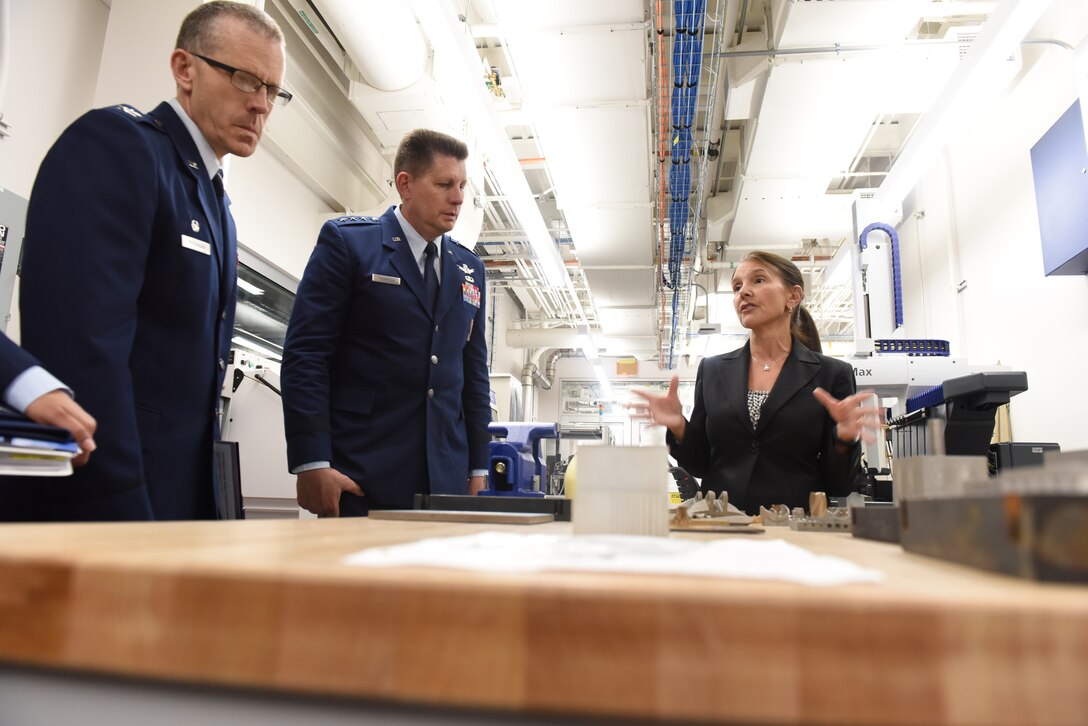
(856, 417)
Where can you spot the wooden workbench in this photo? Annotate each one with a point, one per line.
(268, 605)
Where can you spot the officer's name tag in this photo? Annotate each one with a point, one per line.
(197, 245)
(385, 279)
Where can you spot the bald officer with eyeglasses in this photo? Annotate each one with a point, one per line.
(129, 274)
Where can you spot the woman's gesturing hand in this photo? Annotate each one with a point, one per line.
(660, 408)
(856, 417)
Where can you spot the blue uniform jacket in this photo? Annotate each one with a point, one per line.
(13, 362)
(128, 296)
(395, 398)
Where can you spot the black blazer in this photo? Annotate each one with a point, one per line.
(790, 454)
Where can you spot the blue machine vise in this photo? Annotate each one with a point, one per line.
(514, 465)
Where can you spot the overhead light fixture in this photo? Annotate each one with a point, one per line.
(250, 287)
(453, 45)
(606, 385)
(258, 349)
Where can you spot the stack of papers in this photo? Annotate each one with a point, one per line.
(510, 552)
(33, 449)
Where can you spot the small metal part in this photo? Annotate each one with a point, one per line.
(778, 515)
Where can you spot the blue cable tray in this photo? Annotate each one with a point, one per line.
(913, 347)
(926, 399)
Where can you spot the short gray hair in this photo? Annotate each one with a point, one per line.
(199, 31)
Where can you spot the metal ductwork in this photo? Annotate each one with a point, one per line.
(531, 376)
(400, 92)
(550, 362)
(391, 55)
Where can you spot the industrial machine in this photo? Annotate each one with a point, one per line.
(516, 464)
(924, 388)
(956, 417)
(253, 417)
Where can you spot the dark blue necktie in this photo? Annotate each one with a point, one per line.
(430, 279)
(226, 271)
(217, 182)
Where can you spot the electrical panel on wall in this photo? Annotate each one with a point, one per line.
(12, 228)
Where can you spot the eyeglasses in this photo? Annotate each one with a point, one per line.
(249, 83)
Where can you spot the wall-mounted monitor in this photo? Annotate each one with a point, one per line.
(1059, 164)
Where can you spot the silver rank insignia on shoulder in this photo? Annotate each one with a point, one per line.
(465, 269)
(131, 111)
(195, 225)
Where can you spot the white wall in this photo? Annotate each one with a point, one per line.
(55, 46)
(135, 60)
(929, 252)
(277, 215)
(504, 359)
(980, 199)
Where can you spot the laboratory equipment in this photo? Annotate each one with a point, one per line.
(516, 464)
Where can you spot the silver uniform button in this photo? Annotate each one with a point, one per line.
(222, 364)
(436, 328)
(430, 393)
(434, 360)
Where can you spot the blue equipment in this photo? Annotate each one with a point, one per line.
(514, 465)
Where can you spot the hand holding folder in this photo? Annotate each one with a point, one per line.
(34, 449)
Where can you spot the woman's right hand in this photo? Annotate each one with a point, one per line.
(661, 408)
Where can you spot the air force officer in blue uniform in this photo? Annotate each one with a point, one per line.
(385, 382)
(129, 273)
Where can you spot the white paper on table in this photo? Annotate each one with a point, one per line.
(511, 552)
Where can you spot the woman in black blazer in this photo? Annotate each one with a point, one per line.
(776, 419)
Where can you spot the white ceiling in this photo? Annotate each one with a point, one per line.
(581, 69)
(579, 110)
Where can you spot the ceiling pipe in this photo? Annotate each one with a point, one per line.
(661, 107)
(390, 55)
(569, 338)
(835, 49)
(496, 30)
(721, 123)
(743, 19)
(531, 377)
(721, 126)
(543, 375)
